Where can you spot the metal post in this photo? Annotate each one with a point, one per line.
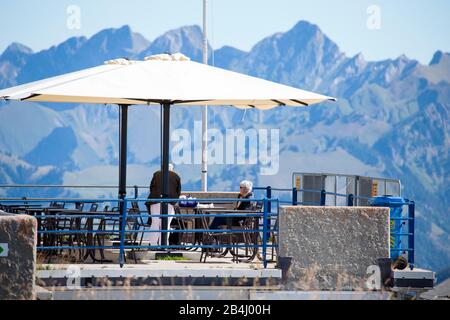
(123, 124)
(265, 232)
(136, 192)
(335, 190)
(269, 196)
(268, 222)
(323, 196)
(356, 191)
(204, 147)
(165, 171)
(294, 196)
(411, 216)
(123, 206)
(205, 108)
(205, 35)
(350, 200)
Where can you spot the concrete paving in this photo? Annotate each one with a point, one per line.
(217, 267)
(320, 295)
(214, 268)
(155, 293)
(210, 293)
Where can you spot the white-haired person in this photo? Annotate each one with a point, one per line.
(154, 207)
(245, 192)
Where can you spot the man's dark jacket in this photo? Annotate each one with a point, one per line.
(174, 190)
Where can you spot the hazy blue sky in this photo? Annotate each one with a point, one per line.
(415, 27)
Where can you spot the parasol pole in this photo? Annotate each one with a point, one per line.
(204, 173)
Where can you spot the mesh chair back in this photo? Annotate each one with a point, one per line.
(57, 205)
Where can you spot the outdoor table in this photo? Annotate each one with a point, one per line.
(24, 207)
(188, 223)
(227, 211)
(197, 223)
(35, 210)
(200, 210)
(229, 219)
(204, 221)
(16, 208)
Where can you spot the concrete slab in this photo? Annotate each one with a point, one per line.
(210, 293)
(320, 295)
(43, 293)
(155, 268)
(155, 293)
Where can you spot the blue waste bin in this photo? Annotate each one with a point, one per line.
(396, 212)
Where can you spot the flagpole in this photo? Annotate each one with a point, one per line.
(205, 108)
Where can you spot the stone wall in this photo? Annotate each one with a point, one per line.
(17, 270)
(332, 247)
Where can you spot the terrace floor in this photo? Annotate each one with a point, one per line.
(148, 271)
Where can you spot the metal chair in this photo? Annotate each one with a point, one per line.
(246, 238)
(222, 240)
(135, 224)
(185, 223)
(89, 239)
(105, 224)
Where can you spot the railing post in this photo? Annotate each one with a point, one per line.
(123, 124)
(269, 196)
(294, 196)
(269, 205)
(411, 216)
(265, 222)
(136, 192)
(322, 197)
(164, 206)
(350, 200)
(123, 223)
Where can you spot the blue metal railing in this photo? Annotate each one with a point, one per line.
(49, 231)
(284, 196)
(410, 218)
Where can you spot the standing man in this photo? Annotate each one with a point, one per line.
(154, 207)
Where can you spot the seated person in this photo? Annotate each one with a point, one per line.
(245, 192)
